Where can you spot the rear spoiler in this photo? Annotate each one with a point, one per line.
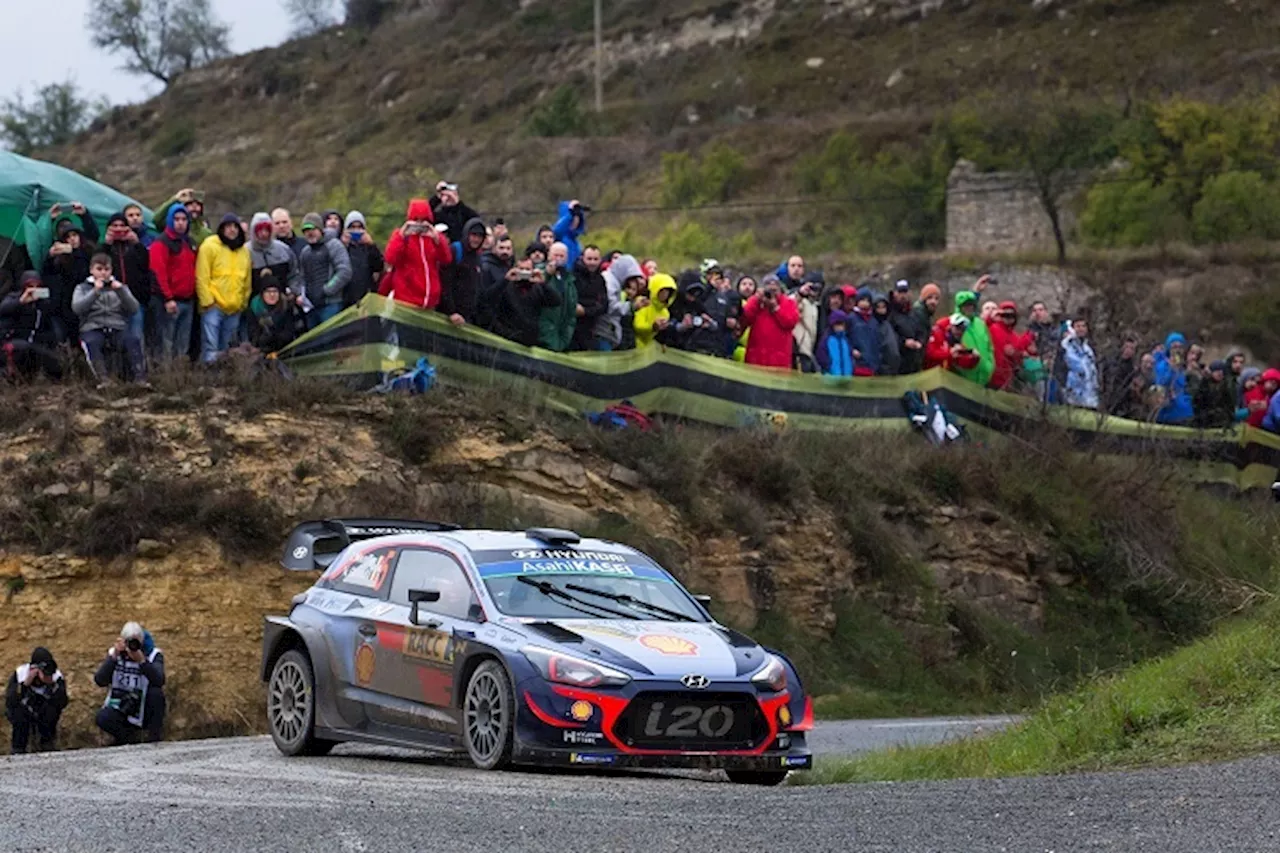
(313, 545)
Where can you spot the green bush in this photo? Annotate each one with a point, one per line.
(561, 115)
(717, 177)
(1237, 206)
(1122, 212)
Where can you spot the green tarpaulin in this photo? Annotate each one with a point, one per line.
(28, 188)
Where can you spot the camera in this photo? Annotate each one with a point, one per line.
(697, 321)
(524, 275)
(46, 667)
(133, 644)
(130, 704)
(581, 208)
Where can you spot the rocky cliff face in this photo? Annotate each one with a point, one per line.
(81, 557)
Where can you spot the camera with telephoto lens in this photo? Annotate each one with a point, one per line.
(580, 208)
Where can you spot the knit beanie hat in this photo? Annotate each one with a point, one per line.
(312, 220)
(930, 289)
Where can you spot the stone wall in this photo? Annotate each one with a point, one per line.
(999, 213)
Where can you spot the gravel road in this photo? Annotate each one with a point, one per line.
(241, 795)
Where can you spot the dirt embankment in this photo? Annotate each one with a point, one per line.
(169, 508)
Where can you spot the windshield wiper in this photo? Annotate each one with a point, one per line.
(623, 598)
(552, 591)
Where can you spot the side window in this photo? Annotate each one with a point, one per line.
(363, 574)
(431, 570)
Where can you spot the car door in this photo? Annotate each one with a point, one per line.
(415, 664)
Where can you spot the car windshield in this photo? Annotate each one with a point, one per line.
(581, 584)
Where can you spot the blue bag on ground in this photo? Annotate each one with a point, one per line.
(417, 380)
(931, 418)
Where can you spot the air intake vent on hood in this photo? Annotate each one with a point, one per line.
(552, 631)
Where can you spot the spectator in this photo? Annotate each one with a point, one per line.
(1215, 400)
(494, 266)
(33, 702)
(1170, 374)
(193, 202)
(27, 337)
(331, 220)
(1048, 336)
(693, 329)
(173, 263)
(771, 317)
(272, 320)
(622, 281)
(138, 224)
(448, 209)
(1116, 371)
(1008, 347)
(911, 327)
(722, 305)
(1258, 399)
(806, 332)
(500, 229)
(415, 255)
(519, 306)
(926, 307)
(989, 311)
(593, 296)
(366, 259)
(890, 360)
(864, 334)
(571, 225)
(833, 354)
(791, 272)
(67, 265)
(1271, 420)
(1194, 369)
(325, 267)
(947, 348)
(557, 323)
(271, 260)
(831, 299)
(746, 287)
(224, 273)
(282, 222)
(653, 320)
(545, 238)
(130, 265)
(977, 337)
(134, 672)
(1134, 404)
(460, 299)
(650, 268)
(1082, 367)
(104, 306)
(1235, 366)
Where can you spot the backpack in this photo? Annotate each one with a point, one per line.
(417, 380)
(931, 418)
(621, 416)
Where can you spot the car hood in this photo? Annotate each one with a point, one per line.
(670, 650)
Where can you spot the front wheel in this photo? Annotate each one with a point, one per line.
(757, 777)
(291, 706)
(489, 715)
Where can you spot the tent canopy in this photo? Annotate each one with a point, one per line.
(28, 188)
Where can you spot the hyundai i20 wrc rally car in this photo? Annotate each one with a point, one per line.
(529, 648)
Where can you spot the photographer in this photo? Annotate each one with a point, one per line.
(692, 327)
(519, 304)
(571, 225)
(771, 317)
(449, 210)
(27, 336)
(556, 323)
(134, 670)
(35, 697)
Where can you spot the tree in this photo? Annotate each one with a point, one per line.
(55, 115)
(159, 38)
(1049, 140)
(310, 16)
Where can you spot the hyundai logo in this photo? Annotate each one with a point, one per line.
(695, 682)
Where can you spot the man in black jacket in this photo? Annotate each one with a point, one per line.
(367, 262)
(131, 266)
(34, 699)
(461, 280)
(519, 304)
(448, 209)
(67, 265)
(692, 327)
(27, 334)
(593, 296)
(912, 333)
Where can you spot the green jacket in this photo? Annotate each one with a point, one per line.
(977, 338)
(556, 325)
(198, 231)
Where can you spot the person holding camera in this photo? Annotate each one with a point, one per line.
(449, 210)
(33, 700)
(415, 258)
(366, 259)
(771, 318)
(571, 224)
(556, 323)
(105, 307)
(518, 307)
(68, 264)
(692, 327)
(26, 329)
(134, 672)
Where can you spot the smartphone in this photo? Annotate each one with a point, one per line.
(41, 292)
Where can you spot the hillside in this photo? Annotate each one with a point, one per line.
(448, 88)
(901, 580)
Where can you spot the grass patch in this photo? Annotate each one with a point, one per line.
(1216, 699)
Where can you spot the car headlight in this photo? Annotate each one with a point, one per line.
(565, 669)
(773, 676)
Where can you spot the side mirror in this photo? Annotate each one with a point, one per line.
(704, 600)
(418, 596)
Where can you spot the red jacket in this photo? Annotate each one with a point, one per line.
(173, 262)
(415, 262)
(1003, 338)
(937, 353)
(1256, 400)
(770, 342)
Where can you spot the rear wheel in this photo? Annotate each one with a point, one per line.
(757, 777)
(291, 706)
(488, 716)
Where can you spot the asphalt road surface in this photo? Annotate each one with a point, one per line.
(241, 795)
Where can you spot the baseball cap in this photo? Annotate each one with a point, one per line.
(902, 285)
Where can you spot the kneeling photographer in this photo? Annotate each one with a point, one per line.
(134, 670)
(34, 699)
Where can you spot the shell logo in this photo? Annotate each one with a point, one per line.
(366, 659)
(668, 645)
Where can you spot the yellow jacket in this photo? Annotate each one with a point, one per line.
(222, 276)
(656, 310)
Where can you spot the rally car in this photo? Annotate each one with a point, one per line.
(538, 647)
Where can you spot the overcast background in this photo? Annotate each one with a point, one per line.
(49, 42)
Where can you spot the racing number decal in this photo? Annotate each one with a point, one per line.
(689, 721)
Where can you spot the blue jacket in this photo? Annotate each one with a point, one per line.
(864, 336)
(835, 356)
(567, 234)
(1177, 408)
(1082, 373)
(1271, 421)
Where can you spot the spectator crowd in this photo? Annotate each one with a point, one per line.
(179, 287)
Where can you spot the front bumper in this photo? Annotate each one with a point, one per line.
(588, 756)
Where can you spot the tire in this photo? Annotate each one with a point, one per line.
(767, 778)
(489, 716)
(291, 706)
